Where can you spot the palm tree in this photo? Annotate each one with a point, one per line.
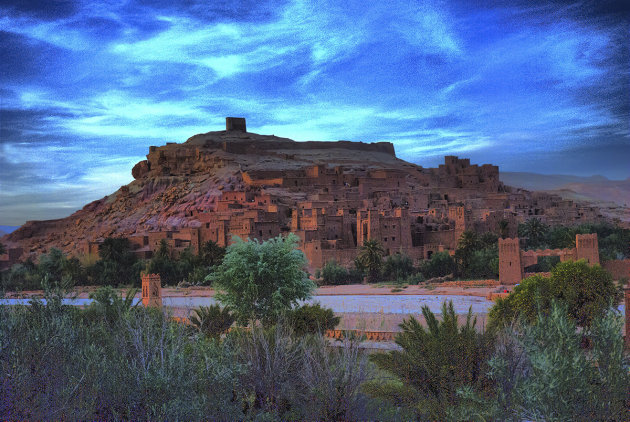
(371, 258)
(534, 230)
(212, 320)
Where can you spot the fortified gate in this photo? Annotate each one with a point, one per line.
(513, 261)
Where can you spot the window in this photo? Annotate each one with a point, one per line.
(393, 238)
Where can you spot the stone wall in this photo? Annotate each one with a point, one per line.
(619, 268)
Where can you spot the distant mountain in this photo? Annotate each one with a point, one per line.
(613, 196)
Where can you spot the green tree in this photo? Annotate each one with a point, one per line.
(440, 264)
(262, 281)
(467, 244)
(371, 258)
(2, 249)
(588, 292)
(165, 265)
(211, 254)
(397, 267)
(433, 363)
(117, 264)
(535, 231)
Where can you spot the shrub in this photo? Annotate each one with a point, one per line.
(433, 363)
(440, 264)
(587, 290)
(311, 319)
(333, 273)
(397, 267)
(543, 373)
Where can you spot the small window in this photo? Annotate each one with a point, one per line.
(385, 239)
(393, 238)
(207, 225)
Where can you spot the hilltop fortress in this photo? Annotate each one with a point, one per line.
(333, 195)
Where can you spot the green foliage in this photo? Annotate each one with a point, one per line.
(109, 305)
(371, 258)
(311, 319)
(262, 281)
(440, 264)
(2, 249)
(299, 378)
(542, 372)
(54, 266)
(211, 254)
(117, 265)
(614, 242)
(333, 273)
(588, 292)
(165, 265)
(535, 231)
(397, 267)
(433, 363)
(212, 321)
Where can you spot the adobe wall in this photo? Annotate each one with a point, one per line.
(619, 268)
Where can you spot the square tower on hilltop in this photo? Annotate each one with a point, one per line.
(235, 124)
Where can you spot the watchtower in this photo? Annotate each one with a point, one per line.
(586, 247)
(235, 124)
(510, 269)
(151, 290)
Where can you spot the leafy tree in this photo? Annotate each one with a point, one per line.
(211, 254)
(534, 230)
(588, 292)
(440, 264)
(261, 281)
(333, 273)
(484, 263)
(371, 258)
(311, 319)
(212, 320)
(433, 363)
(397, 267)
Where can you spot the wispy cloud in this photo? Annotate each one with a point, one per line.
(87, 87)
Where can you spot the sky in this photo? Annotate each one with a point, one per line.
(87, 87)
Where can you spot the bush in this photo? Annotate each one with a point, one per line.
(440, 264)
(416, 278)
(397, 267)
(433, 363)
(542, 372)
(299, 378)
(311, 319)
(333, 274)
(588, 292)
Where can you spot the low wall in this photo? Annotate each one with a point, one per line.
(619, 268)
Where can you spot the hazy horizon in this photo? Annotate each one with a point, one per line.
(87, 87)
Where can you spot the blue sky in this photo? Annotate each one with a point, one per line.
(87, 87)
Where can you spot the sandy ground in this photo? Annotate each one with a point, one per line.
(349, 289)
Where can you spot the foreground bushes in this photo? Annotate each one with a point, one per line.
(114, 361)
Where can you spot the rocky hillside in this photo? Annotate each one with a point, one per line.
(178, 178)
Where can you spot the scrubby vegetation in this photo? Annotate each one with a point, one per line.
(588, 292)
(115, 265)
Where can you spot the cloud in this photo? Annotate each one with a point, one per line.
(86, 87)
